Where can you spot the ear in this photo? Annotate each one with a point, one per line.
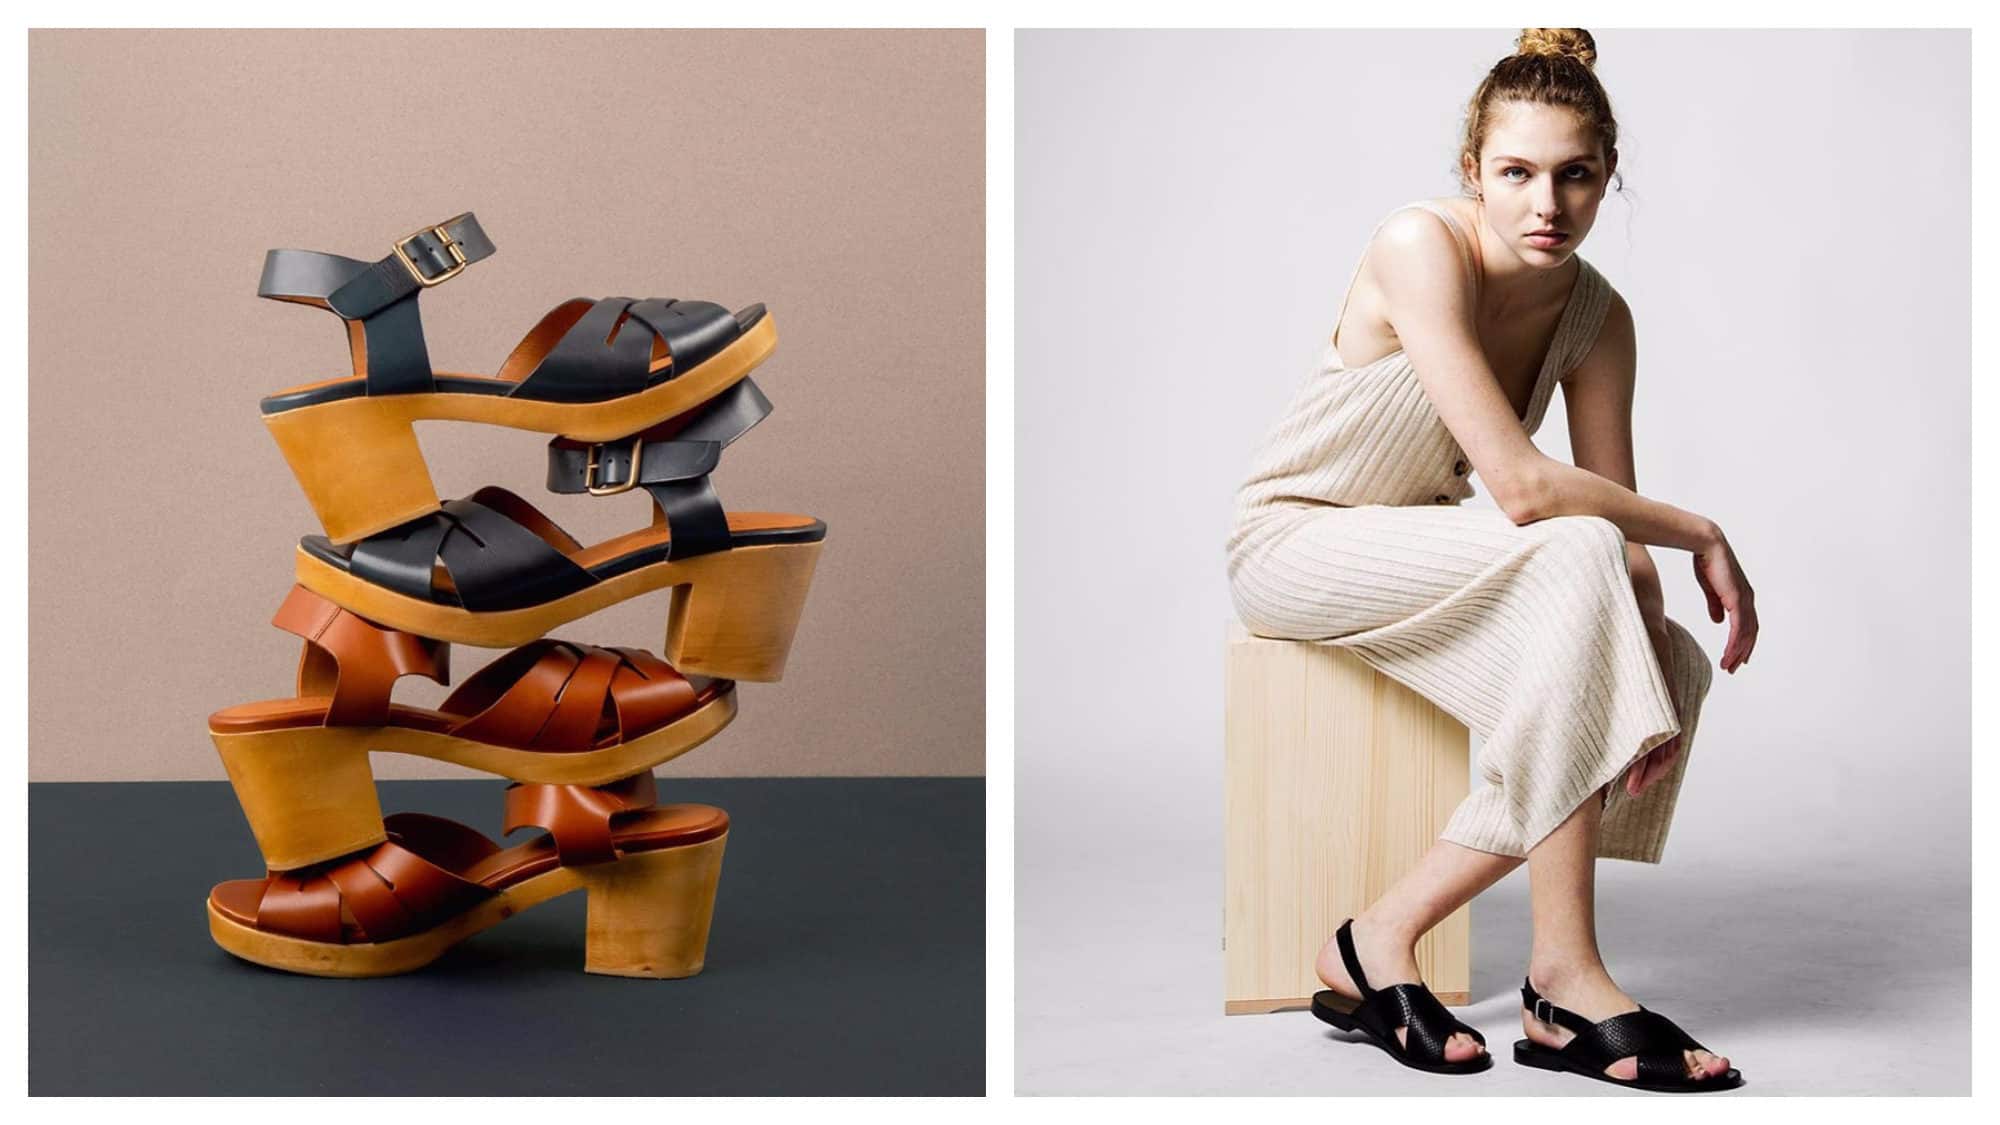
(1468, 170)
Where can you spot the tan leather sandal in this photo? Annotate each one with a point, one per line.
(650, 873)
(550, 712)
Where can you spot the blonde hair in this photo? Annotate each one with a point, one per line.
(1549, 66)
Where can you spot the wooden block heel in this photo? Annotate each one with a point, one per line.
(307, 792)
(737, 615)
(649, 913)
(358, 462)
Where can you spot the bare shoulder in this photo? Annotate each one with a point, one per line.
(1414, 251)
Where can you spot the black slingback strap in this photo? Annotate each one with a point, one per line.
(380, 295)
(672, 469)
(1345, 938)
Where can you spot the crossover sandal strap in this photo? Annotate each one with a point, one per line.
(1653, 1039)
(353, 661)
(400, 886)
(589, 351)
(376, 299)
(579, 817)
(1427, 1023)
(499, 552)
(560, 697)
(671, 462)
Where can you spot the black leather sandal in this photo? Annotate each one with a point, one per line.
(1379, 1013)
(1651, 1039)
(491, 570)
(590, 370)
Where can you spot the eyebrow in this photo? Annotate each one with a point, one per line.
(1587, 158)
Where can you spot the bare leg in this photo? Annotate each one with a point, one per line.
(1386, 933)
(1565, 964)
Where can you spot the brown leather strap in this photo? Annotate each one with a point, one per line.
(564, 698)
(399, 887)
(354, 661)
(579, 816)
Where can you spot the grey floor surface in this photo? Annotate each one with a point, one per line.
(1842, 970)
(847, 957)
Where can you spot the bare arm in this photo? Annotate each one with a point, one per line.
(1430, 305)
(1433, 317)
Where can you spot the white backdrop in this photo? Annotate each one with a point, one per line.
(1793, 241)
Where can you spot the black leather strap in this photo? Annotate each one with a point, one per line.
(381, 295)
(608, 352)
(1427, 1024)
(494, 562)
(672, 469)
(1653, 1039)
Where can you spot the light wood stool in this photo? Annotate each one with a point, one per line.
(1338, 779)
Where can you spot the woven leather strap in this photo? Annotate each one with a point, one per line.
(354, 661)
(564, 698)
(579, 817)
(401, 886)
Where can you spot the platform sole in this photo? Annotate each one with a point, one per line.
(359, 464)
(309, 792)
(648, 915)
(733, 614)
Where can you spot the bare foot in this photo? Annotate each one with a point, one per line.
(1591, 994)
(1385, 961)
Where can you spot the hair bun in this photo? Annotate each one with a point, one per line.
(1574, 42)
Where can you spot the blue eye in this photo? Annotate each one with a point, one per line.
(1509, 172)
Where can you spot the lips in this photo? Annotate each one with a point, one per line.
(1547, 234)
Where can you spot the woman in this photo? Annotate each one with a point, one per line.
(1541, 626)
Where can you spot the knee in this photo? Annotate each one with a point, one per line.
(1593, 537)
(1691, 670)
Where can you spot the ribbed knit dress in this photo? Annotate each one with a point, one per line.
(1349, 533)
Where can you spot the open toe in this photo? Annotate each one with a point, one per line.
(1407, 1021)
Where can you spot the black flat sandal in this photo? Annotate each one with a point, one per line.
(1380, 1012)
(1653, 1040)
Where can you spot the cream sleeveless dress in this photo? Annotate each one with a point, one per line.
(1349, 533)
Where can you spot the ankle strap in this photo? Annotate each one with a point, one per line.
(379, 295)
(671, 462)
(1345, 938)
(1541, 1009)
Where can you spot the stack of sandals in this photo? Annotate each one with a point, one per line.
(637, 394)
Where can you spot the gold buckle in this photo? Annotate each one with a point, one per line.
(450, 243)
(590, 467)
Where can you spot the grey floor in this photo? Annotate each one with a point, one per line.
(1835, 970)
(847, 957)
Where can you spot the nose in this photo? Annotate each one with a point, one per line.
(1544, 200)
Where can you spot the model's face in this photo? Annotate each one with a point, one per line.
(1542, 173)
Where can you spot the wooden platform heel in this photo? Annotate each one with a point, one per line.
(492, 570)
(551, 713)
(650, 871)
(595, 370)
(649, 914)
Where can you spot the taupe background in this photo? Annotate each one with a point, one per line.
(836, 176)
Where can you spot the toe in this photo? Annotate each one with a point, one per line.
(1461, 1047)
(1624, 1070)
(1715, 1065)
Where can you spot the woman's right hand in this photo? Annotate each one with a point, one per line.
(1728, 591)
